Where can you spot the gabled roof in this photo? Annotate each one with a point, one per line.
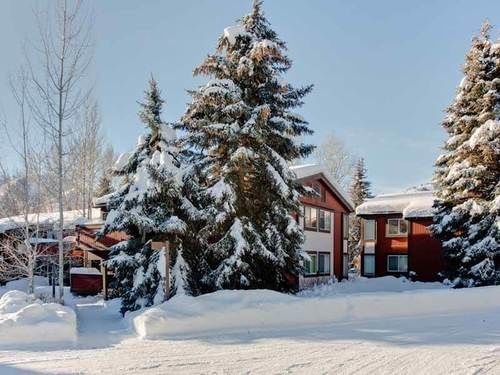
(306, 171)
(410, 204)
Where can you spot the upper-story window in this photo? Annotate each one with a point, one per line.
(317, 219)
(325, 220)
(396, 228)
(369, 232)
(320, 191)
(310, 217)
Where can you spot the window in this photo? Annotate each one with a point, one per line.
(317, 189)
(311, 265)
(325, 220)
(369, 230)
(310, 218)
(369, 265)
(345, 226)
(324, 263)
(319, 192)
(397, 263)
(396, 228)
(317, 219)
(318, 264)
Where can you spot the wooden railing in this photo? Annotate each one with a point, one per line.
(86, 238)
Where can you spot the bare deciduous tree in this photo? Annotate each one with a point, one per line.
(58, 62)
(18, 254)
(87, 153)
(336, 158)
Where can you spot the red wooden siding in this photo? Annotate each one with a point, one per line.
(387, 246)
(426, 256)
(86, 284)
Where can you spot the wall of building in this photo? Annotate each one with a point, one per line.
(425, 252)
(333, 240)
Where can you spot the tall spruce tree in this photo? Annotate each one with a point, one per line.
(104, 187)
(240, 130)
(359, 192)
(145, 207)
(467, 174)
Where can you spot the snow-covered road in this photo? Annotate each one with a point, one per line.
(439, 331)
(444, 344)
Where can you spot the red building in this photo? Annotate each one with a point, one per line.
(325, 222)
(396, 239)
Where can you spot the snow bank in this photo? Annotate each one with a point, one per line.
(409, 204)
(22, 284)
(24, 322)
(359, 284)
(232, 311)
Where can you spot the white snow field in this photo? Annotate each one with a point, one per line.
(25, 322)
(376, 326)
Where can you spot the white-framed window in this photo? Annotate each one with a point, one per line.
(318, 264)
(345, 226)
(311, 265)
(369, 265)
(396, 228)
(325, 220)
(397, 263)
(369, 230)
(316, 219)
(310, 218)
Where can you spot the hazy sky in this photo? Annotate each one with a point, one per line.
(384, 71)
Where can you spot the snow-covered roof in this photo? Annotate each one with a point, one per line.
(84, 271)
(102, 201)
(410, 204)
(309, 170)
(71, 219)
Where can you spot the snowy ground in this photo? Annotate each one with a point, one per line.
(466, 341)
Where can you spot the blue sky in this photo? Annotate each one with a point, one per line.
(384, 71)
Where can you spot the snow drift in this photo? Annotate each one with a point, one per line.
(24, 322)
(230, 311)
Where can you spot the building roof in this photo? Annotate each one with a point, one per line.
(410, 204)
(314, 170)
(71, 219)
(301, 172)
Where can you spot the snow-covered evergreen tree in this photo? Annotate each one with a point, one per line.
(467, 175)
(104, 187)
(359, 192)
(145, 207)
(240, 131)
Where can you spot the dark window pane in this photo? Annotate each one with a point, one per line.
(403, 226)
(393, 263)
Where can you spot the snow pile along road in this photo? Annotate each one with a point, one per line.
(360, 284)
(231, 311)
(24, 322)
